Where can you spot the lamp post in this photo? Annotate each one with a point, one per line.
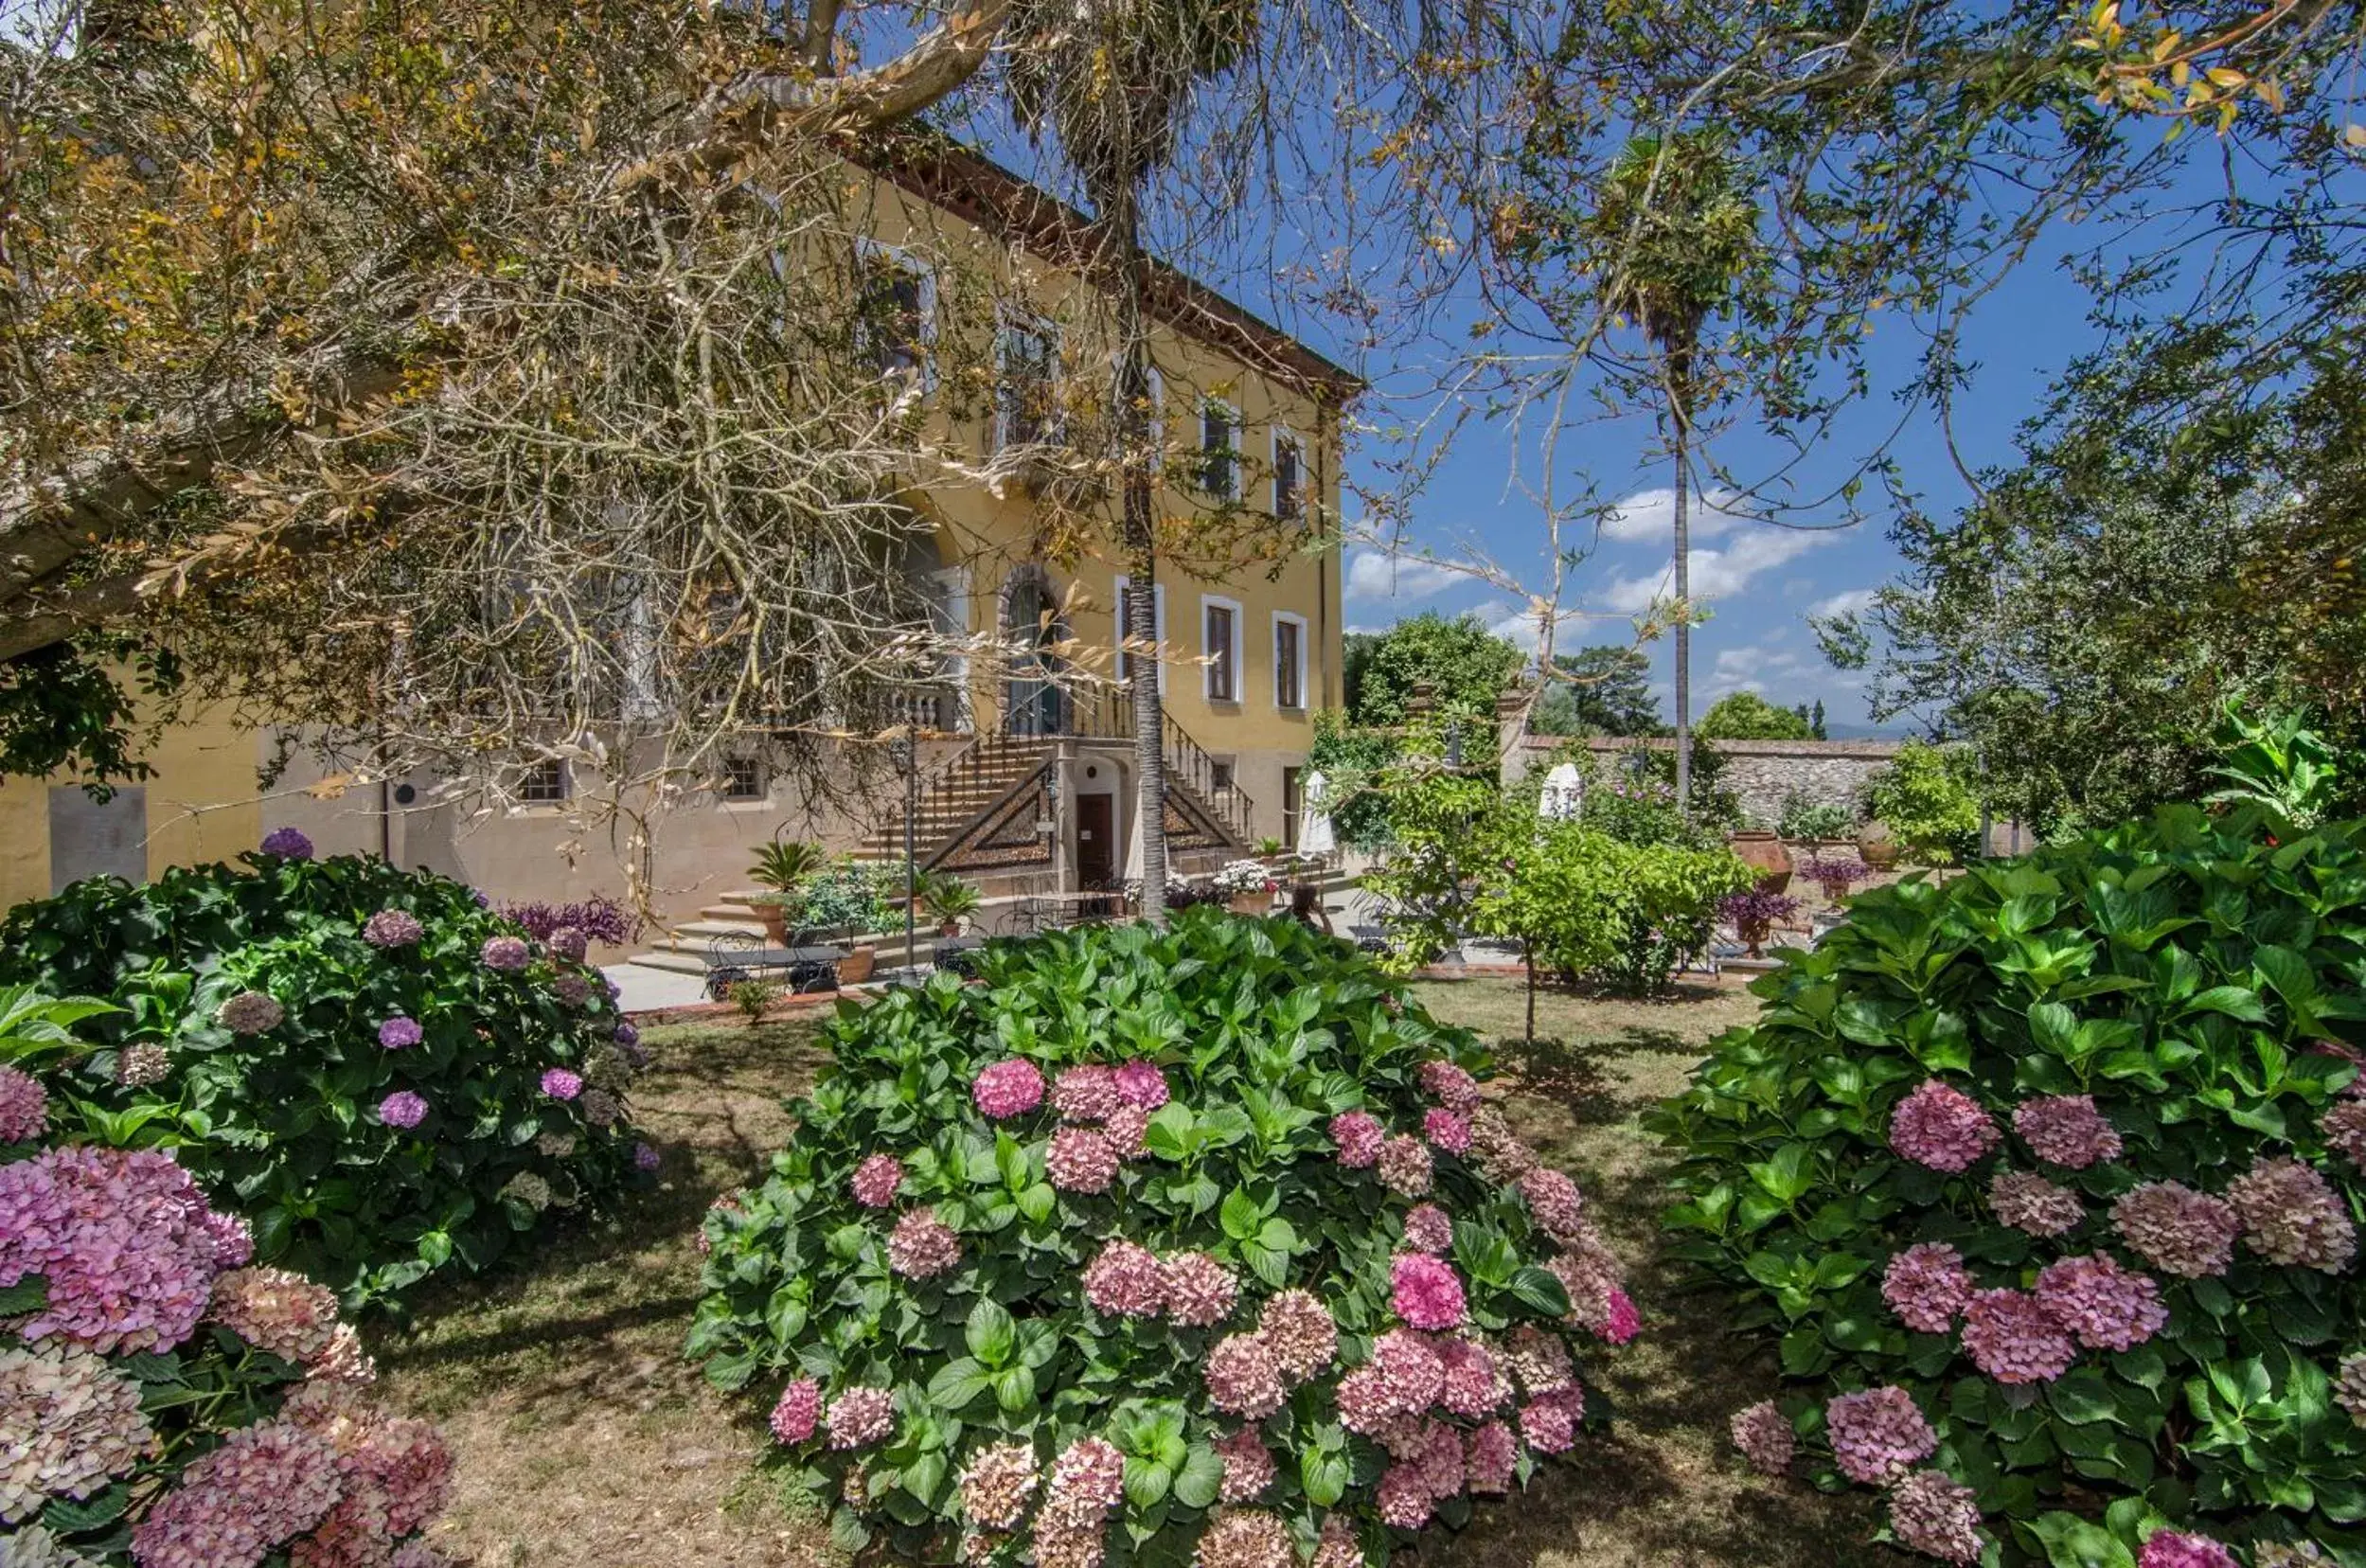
(901, 752)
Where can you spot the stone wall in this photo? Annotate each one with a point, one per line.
(1761, 773)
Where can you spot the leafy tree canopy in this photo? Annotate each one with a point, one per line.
(1747, 716)
(1463, 664)
(1604, 689)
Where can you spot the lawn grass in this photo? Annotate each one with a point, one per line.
(584, 1438)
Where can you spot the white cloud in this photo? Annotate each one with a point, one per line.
(1377, 575)
(1716, 573)
(1852, 602)
(1520, 626)
(1651, 515)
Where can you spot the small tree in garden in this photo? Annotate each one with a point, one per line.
(165, 1403)
(1925, 798)
(388, 1075)
(2044, 1183)
(1194, 1244)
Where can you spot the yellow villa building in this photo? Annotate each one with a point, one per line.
(1024, 775)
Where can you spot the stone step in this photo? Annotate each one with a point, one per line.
(672, 959)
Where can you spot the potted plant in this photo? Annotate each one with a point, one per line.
(1763, 852)
(1271, 849)
(1754, 914)
(781, 869)
(846, 900)
(952, 900)
(1246, 886)
(1836, 874)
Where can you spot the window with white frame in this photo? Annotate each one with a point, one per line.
(543, 783)
(895, 312)
(1219, 449)
(1125, 627)
(1289, 475)
(1219, 650)
(1026, 380)
(1290, 660)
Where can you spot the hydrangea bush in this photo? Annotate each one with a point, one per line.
(1194, 1244)
(164, 1402)
(2045, 1183)
(378, 1072)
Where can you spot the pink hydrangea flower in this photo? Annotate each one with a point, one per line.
(1935, 1515)
(922, 1246)
(24, 1107)
(1298, 1330)
(251, 1013)
(1550, 1421)
(1449, 1086)
(860, 1416)
(505, 955)
(1089, 1474)
(1624, 1322)
(1425, 1291)
(1942, 1127)
(1243, 1378)
(1445, 1129)
(1538, 1359)
(2176, 1549)
(1765, 1437)
(1404, 1166)
(2015, 1340)
(1086, 1092)
(1244, 1538)
(73, 1424)
(2349, 1388)
(560, 1084)
(1490, 1456)
(1200, 1291)
(1474, 1386)
(1336, 1548)
(996, 1485)
(1359, 1135)
(798, 1413)
(1877, 1434)
(402, 1109)
(1440, 1457)
(1142, 1083)
(2292, 1216)
(2066, 1131)
(2343, 1128)
(122, 1239)
(265, 1484)
(1080, 1160)
(1124, 1280)
(1928, 1287)
(1009, 1088)
(1127, 1131)
(276, 1310)
(2107, 1306)
(1427, 1229)
(1412, 1374)
(1405, 1499)
(2028, 1202)
(393, 928)
(2178, 1230)
(876, 1180)
(1248, 1465)
(1555, 1201)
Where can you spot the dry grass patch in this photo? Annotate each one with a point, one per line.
(584, 1438)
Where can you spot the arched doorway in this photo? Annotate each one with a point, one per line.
(1033, 630)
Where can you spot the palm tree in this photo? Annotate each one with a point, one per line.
(1670, 238)
(1110, 78)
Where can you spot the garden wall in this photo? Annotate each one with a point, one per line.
(1761, 773)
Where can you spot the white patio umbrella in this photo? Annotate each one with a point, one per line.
(1314, 817)
(1564, 793)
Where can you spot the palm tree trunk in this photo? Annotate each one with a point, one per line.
(1678, 419)
(1121, 246)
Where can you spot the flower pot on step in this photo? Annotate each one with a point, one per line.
(855, 967)
(776, 918)
(1250, 903)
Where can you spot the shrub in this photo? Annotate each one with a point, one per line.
(2068, 1149)
(1155, 1221)
(166, 1403)
(753, 998)
(1804, 816)
(848, 899)
(601, 919)
(1589, 905)
(384, 1074)
(1925, 797)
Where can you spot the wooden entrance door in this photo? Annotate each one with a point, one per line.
(1097, 849)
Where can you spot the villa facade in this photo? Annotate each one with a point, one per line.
(1024, 772)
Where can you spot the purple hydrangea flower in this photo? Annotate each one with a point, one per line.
(507, 953)
(24, 1106)
(559, 1083)
(398, 1033)
(393, 928)
(289, 843)
(122, 1239)
(402, 1109)
(645, 1158)
(625, 1034)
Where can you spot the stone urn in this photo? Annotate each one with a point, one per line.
(1764, 853)
(1875, 848)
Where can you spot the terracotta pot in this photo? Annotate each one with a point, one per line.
(1765, 854)
(1250, 903)
(949, 927)
(1875, 848)
(1753, 934)
(775, 921)
(855, 967)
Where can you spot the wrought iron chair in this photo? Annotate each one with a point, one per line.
(731, 958)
